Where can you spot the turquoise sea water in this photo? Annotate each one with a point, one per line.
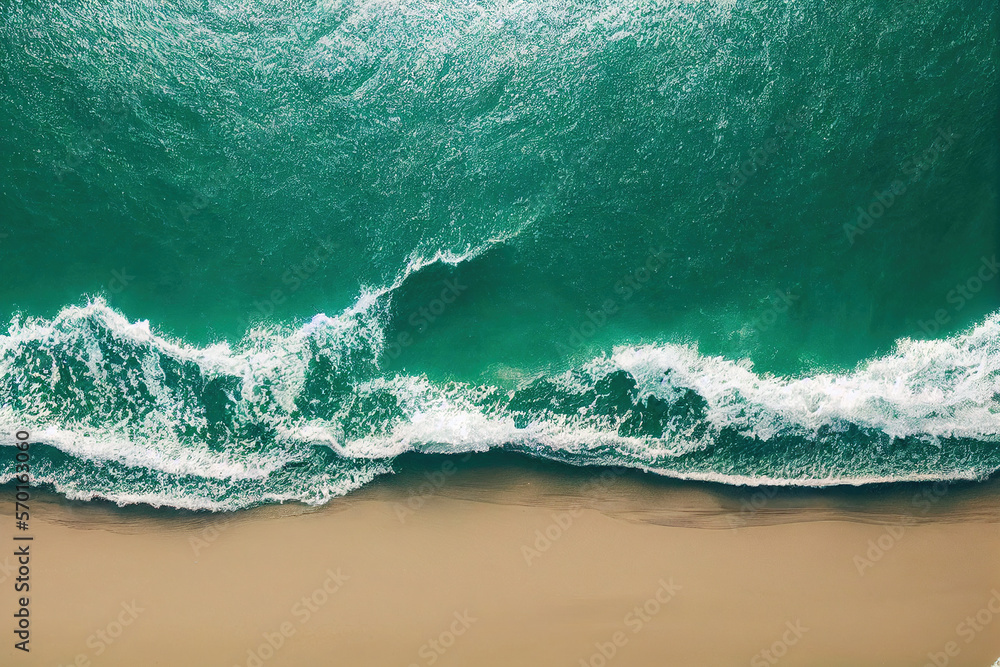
(253, 252)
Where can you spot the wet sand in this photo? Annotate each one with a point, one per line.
(496, 561)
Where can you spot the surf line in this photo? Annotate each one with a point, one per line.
(22, 583)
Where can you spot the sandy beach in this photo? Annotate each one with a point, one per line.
(497, 561)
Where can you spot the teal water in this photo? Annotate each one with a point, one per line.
(253, 252)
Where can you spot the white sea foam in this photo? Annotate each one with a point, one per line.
(940, 388)
(929, 390)
(148, 449)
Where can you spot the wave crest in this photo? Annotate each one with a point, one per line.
(124, 413)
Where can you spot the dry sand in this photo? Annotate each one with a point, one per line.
(431, 567)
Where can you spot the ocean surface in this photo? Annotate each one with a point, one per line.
(253, 252)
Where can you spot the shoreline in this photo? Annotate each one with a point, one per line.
(507, 477)
(499, 560)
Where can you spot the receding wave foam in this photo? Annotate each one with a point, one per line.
(121, 412)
